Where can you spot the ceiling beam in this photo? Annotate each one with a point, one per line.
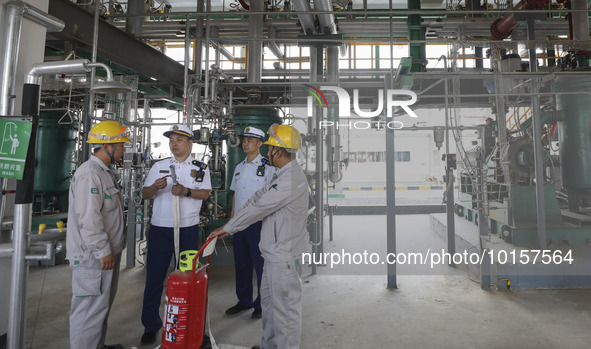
(115, 45)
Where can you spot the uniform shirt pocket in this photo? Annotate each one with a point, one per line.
(111, 198)
(86, 282)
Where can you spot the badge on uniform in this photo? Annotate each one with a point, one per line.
(198, 174)
(261, 169)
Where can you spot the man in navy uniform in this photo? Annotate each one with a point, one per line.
(250, 175)
(192, 186)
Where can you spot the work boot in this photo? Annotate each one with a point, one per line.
(257, 313)
(148, 338)
(235, 309)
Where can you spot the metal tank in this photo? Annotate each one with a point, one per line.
(574, 131)
(259, 117)
(56, 144)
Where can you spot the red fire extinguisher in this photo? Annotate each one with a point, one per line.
(186, 303)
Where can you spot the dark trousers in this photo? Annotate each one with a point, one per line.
(246, 257)
(160, 252)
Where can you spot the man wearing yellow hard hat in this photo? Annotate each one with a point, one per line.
(95, 237)
(283, 207)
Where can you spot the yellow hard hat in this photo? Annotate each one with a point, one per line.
(108, 132)
(284, 136)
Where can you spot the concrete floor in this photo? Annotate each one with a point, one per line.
(351, 308)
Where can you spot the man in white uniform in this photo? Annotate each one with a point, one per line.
(250, 175)
(283, 207)
(193, 186)
(95, 237)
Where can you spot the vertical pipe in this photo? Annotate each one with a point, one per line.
(186, 68)
(501, 117)
(537, 129)
(86, 122)
(11, 29)
(332, 136)
(390, 195)
(3, 186)
(133, 24)
(316, 75)
(206, 67)
(255, 43)
(416, 35)
(89, 107)
(19, 271)
(13, 13)
(580, 20)
(485, 269)
(22, 225)
(449, 174)
(313, 78)
(197, 60)
(13, 20)
(198, 54)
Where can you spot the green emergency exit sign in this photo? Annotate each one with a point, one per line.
(15, 133)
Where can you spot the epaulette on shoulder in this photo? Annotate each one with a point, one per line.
(199, 164)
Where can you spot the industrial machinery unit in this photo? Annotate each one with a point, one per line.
(509, 167)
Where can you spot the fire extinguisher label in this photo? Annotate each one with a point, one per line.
(176, 319)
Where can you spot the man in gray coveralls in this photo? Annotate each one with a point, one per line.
(283, 207)
(95, 238)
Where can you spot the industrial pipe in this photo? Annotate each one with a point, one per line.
(332, 136)
(133, 23)
(11, 29)
(502, 27)
(24, 191)
(224, 51)
(272, 44)
(49, 252)
(580, 20)
(327, 20)
(306, 19)
(6, 250)
(34, 75)
(255, 47)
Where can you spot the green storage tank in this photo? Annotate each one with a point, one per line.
(54, 156)
(575, 131)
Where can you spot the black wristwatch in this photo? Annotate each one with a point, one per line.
(188, 193)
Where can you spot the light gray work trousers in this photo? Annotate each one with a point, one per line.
(281, 302)
(93, 292)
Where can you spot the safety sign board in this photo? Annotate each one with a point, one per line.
(14, 144)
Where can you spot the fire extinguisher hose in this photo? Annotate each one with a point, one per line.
(176, 216)
(206, 250)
